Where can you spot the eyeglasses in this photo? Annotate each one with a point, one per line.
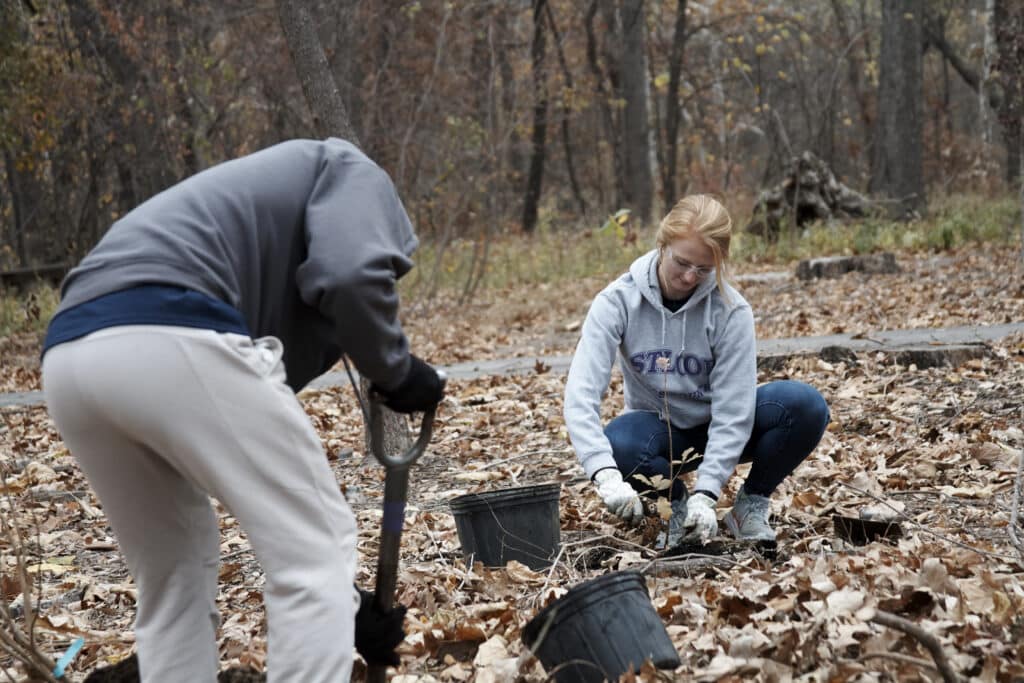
(685, 267)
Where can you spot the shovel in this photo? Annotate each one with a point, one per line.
(396, 486)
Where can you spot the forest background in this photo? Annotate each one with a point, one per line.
(503, 117)
(535, 145)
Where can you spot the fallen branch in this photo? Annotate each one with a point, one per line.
(691, 562)
(18, 641)
(929, 641)
(1015, 507)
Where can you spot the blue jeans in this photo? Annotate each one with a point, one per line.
(788, 423)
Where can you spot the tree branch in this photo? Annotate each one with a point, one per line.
(1015, 507)
(18, 641)
(929, 641)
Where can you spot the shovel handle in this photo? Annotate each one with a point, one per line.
(396, 487)
(377, 438)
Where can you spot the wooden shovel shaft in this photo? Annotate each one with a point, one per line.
(396, 485)
(396, 489)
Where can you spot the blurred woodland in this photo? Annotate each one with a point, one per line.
(498, 116)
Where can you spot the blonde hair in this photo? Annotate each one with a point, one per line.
(704, 216)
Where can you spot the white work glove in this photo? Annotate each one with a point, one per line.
(620, 498)
(701, 523)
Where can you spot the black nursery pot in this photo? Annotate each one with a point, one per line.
(519, 524)
(600, 630)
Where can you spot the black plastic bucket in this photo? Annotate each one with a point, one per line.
(599, 630)
(519, 524)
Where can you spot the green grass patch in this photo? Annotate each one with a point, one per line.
(27, 310)
(549, 256)
(950, 222)
(564, 254)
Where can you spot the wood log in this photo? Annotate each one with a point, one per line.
(920, 355)
(948, 355)
(835, 266)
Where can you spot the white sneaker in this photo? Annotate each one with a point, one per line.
(748, 519)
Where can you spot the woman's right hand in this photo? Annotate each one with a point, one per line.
(620, 498)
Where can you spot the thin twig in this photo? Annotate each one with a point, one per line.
(1015, 507)
(609, 537)
(437, 547)
(232, 555)
(906, 659)
(930, 642)
(18, 642)
(551, 572)
(520, 456)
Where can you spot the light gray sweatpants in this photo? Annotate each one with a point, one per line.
(159, 418)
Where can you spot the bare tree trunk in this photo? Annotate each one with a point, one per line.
(18, 226)
(988, 55)
(570, 167)
(636, 127)
(345, 63)
(513, 156)
(175, 19)
(1008, 19)
(535, 177)
(854, 66)
(897, 171)
(330, 118)
(672, 109)
(612, 132)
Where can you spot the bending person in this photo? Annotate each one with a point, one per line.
(170, 370)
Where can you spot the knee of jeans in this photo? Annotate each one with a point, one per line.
(809, 407)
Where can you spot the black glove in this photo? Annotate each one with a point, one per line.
(378, 633)
(421, 390)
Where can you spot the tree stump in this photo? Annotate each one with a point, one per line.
(948, 355)
(809, 192)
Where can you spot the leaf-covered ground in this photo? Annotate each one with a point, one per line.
(934, 450)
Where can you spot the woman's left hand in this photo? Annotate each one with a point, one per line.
(701, 523)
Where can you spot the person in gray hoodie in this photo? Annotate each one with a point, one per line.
(685, 341)
(170, 369)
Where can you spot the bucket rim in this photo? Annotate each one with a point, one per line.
(566, 606)
(499, 497)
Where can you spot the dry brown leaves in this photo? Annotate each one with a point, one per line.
(934, 450)
(968, 287)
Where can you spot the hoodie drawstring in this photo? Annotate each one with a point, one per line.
(682, 345)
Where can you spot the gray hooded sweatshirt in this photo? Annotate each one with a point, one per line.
(306, 239)
(703, 358)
